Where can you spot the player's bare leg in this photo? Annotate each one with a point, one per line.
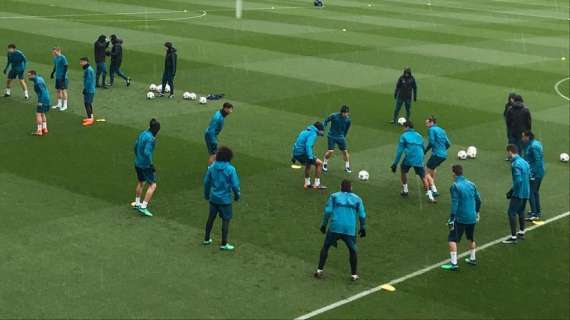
(326, 158)
(430, 175)
(346, 158)
(39, 124)
(308, 184)
(426, 181)
(318, 172)
(472, 259)
(64, 98)
(24, 86)
(404, 180)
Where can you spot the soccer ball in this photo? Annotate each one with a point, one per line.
(462, 155)
(152, 87)
(159, 88)
(472, 152)
(402, 121)
(150, 95)
(193, 96)
(167, 88)
(363, 175)
(564, 157)
(186, 95)
(203, 100)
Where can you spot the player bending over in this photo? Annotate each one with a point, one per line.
(16, 62)
(518, 194)
(438, 142)
(340, 124)
(412, 145)
(342, 209)
(88, 90)
(220, 181)
(144, 149)
(41, 90)
(60, 66)
(214, 128)
(304, 154)
(465, 206)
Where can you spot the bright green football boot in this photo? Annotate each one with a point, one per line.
(227, 247)
(450, 266)
(145, 212)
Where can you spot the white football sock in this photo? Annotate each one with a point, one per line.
(405, 187)
(429, 194)
(144, 204)
(138, 201)
(307, 181)
(26, 93)
(472, 254)
(59, 103)
(317, 182)
(65, 103)
(347, 164)
(325, 162)
(453, 255)
(44, 125)
(433, 189)
(8, 91)
(39, 127)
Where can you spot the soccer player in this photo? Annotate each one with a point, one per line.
(41, 90)
(438, 142)
(304, 154)
(60, 66)
(342, 209)
(146, 174)
(220, 181)
(88, 90)
(100, 51)
(16, 62)
(518, 194)
(214, 128)
(534, 155)
(116, 54)
(170, 61)
(518, 120)
(412, 145)
(406, 88)
(340, 124)
(465, 206)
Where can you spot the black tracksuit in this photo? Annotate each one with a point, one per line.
(100, 52)
(116, 60)
(518, 120)
(406, 88)
(170, 64)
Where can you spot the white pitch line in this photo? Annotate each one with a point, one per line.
(558, 90)
(418, 273)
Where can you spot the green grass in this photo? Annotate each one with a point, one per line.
(71, 248)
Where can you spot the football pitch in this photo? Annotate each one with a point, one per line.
(71, 246)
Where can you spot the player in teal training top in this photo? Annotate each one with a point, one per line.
(214, 128)
(220, 181)
(534, 155)
(438, 143)
(16, 64)
(60, 66)
(518, 194)
(89, 84)
(465, 206)
(340, 124)
(144, 167)
(304, 154)
(411, 145)
(342, 210)
(41, 90)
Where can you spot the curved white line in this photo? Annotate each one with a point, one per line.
(558, 90)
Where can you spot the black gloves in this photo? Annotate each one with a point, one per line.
(323, 229)
(510, 194)
(362, 233)
(393, 168)
(236, 197)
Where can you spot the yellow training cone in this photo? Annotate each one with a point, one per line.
(538, 222)
(388, 287)
(296, 166)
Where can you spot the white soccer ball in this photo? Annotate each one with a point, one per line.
(167, 88)
(462, 155)
(564, 157)
(158, 88)
(152, 87)
(401, 121)
(150, 95)
(193, 96)
(363, 175)
(472, 152)
(203, 100)
(186, 95)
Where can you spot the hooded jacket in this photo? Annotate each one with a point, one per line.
(220, 180)
(343, 209)
(100, 49)
(117, 52)
(534, 155)
(406, 87)
(88, 79)
(305, 142)
(518, 119)
(170, 61)
(520, 171)
(412, 145)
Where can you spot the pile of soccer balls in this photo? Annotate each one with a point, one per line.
(471, 153)
(154, 90)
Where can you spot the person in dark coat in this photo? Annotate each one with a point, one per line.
(116, 54)
(100, 52)
(518, 120)
(406, 89)
(170, 62)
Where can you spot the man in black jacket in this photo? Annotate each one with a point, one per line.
(518, 121)
(100, 49)
(169, 69)
(406, 88)
(116, 54)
